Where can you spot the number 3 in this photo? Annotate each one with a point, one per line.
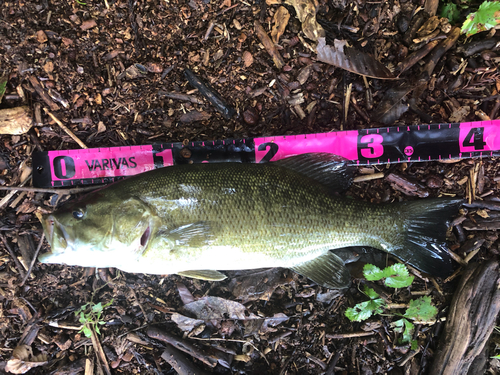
(374, 148)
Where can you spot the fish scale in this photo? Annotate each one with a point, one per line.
(195, 219)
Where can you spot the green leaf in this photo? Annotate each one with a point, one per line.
(421, 309)
(97, 330)
(486, 18)
(496, 356)
(87, 331)
(101, 322)
(97, 308)
(397, 276)
(372, 273)
(370, 293)
(414, 345)
(3, 85)
(364, 310)
(405, 327)
(451, 11)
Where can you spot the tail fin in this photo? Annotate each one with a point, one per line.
(424, 244)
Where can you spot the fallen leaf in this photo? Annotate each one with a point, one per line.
(216, 308)
(23, 360)
(185, 323)
(391, 107)
(184, 293)
(251, 285)
(306, 13)
(15, 120)
(281, 18)
(349, 58)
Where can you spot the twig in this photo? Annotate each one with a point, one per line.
(368, 177)
(63, 127)
(16, 261)
(52, 190)
(349, 335)
(331, 367)
(40, 91)
(7, 198)
(33, 260)
(100, 353)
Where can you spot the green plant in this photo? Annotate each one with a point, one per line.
(395, 276)
(486, 18)
(89, 316)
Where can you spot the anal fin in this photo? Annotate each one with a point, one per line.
(210, 275)
(327, 270)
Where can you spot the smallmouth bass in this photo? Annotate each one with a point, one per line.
(195, 220)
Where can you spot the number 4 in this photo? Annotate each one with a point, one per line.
(475, 138)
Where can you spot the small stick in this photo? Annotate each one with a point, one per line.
(209, 30)
(63, 127)
(33, 260)
(40, 91)
(16, 261)
(349, 335)
(52, 190)
(368, 177)
(471, 255)
(457, 258)
(100, 353)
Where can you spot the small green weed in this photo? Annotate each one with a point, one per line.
(395, 276)
(89, 316)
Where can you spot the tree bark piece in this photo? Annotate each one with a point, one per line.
(471, 320)
(14, 121)
(269, 45)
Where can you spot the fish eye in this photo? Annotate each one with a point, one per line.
(78, 213)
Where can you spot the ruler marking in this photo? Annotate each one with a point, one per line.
(363, 147)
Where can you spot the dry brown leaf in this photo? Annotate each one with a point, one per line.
(281, 18)
(186, 324)
(19, 364)
(306, 13)
(349, 58)
(247, 59)
(15, 120)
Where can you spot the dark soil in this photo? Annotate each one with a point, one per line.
(103, 70)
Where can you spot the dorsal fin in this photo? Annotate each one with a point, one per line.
(331, 170)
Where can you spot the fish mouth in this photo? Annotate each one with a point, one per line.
(56, 236)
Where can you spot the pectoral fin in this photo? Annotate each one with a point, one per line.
(210, 275)
(192, 235)
(327, 270)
